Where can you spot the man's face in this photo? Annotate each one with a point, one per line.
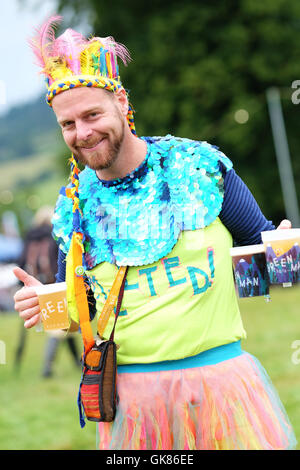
(92, 123)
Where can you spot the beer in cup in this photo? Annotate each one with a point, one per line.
(250, 271)
(53, 306)
(282, 256)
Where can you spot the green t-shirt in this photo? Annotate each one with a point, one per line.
(179, 306)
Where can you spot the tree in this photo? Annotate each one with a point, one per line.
(201, 70)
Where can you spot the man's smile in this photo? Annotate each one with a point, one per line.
(91, 147)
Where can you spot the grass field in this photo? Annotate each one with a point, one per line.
(38, 413)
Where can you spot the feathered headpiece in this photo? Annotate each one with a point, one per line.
(71, 61)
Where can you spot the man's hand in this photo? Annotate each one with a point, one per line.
(284, 224)
(26, 300)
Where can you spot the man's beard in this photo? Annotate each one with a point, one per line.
(103, 159)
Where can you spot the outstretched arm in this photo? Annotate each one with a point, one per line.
(242, 215)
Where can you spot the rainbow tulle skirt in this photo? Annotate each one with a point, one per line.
(221, 399)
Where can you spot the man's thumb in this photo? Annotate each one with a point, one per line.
(24, 277)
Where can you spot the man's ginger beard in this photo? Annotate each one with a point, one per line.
(101, 159)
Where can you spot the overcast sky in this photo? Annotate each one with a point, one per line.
(19, 77)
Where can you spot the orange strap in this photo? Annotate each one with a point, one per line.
(81, 297)
(80, 294)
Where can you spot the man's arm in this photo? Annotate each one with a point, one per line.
(240, 212)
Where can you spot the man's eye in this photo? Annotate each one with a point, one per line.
(67, 124)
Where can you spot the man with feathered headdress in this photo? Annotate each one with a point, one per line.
(168, 208)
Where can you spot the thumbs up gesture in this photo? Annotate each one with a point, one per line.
(26, 300)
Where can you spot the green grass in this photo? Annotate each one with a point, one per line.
(39, 413)
(272, 329)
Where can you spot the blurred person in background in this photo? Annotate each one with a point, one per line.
(39, 258)
(169, 208)
(11, 246)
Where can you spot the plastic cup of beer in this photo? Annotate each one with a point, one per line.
(282, 248)
(250, 271)
(53, 306)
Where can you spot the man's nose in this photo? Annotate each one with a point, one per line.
(83, 131)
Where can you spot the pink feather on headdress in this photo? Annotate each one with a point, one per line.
(42, 43)
(116, 48)
(70, 45)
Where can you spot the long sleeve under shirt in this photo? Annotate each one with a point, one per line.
(240, 214)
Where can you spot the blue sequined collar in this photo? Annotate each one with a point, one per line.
(137, 220)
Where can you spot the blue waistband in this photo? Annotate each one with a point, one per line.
(205, 358)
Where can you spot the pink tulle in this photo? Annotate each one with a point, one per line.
(227, 406)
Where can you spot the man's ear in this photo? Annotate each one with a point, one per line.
(122, 101)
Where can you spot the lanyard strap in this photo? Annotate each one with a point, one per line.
(120, 297)
(77, 290)
(116, 292)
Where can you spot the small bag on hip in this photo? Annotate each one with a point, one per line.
(98, 386)
(98, 392)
